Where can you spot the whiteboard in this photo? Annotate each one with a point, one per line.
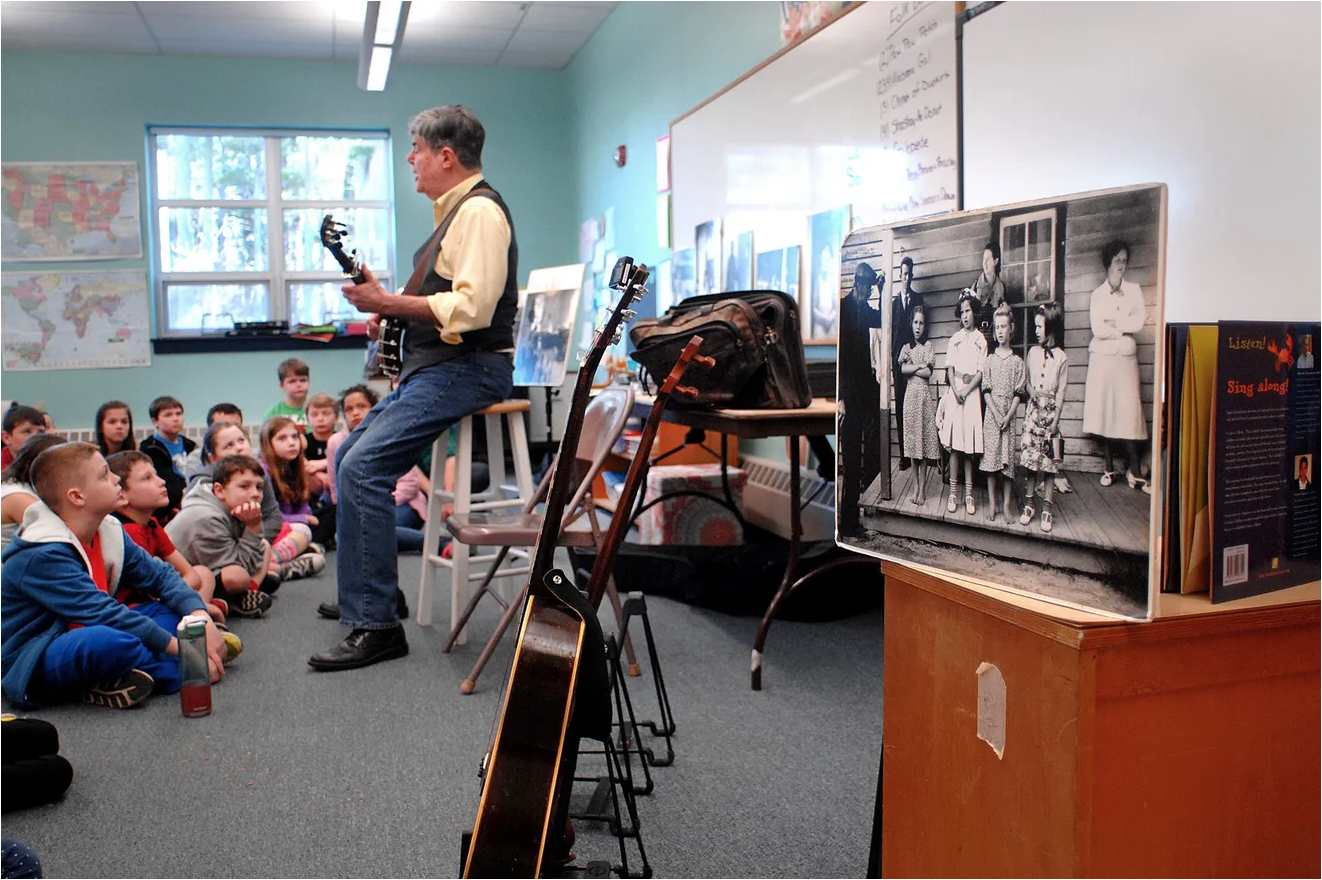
(1220, 101)
(863, 113)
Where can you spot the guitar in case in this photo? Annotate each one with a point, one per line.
(559, 684)
(390, 341)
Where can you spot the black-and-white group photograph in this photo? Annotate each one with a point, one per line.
(542, 346)
(996, 387)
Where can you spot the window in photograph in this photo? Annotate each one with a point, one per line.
(1028, 267)
(236, 220)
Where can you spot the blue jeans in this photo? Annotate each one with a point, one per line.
(379, 451)
(408, 529)
(80, 658)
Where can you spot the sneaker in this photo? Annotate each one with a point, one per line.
(125, 693)
(314, 547)
(303, 566)
(233, 645)
(250, 603)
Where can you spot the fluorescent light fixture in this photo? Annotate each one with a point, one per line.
(383, 34)
(387, 22)
(378, 69)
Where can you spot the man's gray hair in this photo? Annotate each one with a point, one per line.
(453, 126)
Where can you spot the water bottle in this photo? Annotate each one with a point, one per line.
(194, 671)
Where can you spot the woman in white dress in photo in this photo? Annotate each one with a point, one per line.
(1112, 401)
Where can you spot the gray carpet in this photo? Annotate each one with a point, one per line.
(373, 773)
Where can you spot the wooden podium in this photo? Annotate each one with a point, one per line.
(1181, 747)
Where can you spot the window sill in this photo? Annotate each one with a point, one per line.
(218, 344)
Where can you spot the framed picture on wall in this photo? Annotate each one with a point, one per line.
(738, 262)
(778, 270)
(819, 310)
(707, 246)
(683, 277)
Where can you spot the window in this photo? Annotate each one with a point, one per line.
(236, 219)
(1028, 267)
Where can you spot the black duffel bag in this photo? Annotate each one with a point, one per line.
(754, 337)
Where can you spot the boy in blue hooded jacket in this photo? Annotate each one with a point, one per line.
(62, 633)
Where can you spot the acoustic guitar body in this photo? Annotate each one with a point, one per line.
(518, 798)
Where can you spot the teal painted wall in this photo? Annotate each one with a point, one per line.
(84, 107)
(646, 65)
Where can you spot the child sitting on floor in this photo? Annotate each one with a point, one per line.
(64, 634)
(169, 450)
(20, 423)
(144, 491)
(220, 526)
(282, 460)
(16, 492)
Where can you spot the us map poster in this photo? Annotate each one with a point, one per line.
(1265, 446)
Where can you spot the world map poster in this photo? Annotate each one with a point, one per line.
(69, 211)
(75, 320)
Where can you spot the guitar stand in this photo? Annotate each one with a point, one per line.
(636, 606)
(618, 783)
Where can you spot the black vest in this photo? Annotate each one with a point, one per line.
(423, 346)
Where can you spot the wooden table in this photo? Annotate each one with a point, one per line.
(815, 420)
(1180, 747)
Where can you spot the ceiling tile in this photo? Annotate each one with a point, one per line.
(457, 38)
(225, 28)
(566, 17)
(213, 48)
(476, 32)
(55, 23)
(16, 10)
(292, 10)
(547, 42)
(466, 13)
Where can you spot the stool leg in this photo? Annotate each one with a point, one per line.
(505, 620)
(463, 495)
(431, 531)
(522, 462)
(495, 456)
(477, 597)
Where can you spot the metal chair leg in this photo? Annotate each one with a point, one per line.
(505, 620)
(482, 589)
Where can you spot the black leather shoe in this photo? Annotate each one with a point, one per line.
(362, 648)
(331, 610)
(905, 464)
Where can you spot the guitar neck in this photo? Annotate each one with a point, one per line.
(620, 520)
(562, 483)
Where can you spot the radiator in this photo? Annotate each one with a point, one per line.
(767, 499)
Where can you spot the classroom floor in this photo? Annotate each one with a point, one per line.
(373, 772)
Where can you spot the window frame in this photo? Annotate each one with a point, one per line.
(1023, 310)
(276, 277)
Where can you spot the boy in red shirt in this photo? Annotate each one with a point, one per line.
(64, 635)
(144, 492)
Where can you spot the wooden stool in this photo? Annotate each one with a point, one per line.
(498, 495)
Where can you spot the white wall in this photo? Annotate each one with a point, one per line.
(1220, 101)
